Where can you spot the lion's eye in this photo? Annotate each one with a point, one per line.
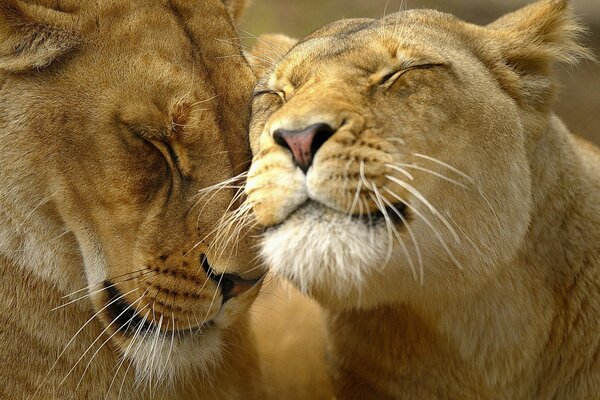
(259, 93)
(388, 79)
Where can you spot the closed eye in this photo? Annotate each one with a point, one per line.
(259, 93)
(388, 79)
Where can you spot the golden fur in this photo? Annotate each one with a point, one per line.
(450, 226)
(113, 116)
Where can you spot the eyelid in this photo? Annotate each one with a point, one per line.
(405, 68)
(266, 91)
(277, 93)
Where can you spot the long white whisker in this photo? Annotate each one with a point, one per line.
(142, 323)
(98, 337)
(401, 170)
(92, 293)
(467, 177)
(435, 231)
(388, 226)
(422, 198)
(75, 335)
(450, 167)
(124, 357)
(412, 237)
(423, 169)
(102, 345)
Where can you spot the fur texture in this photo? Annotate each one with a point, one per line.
(113, 116)
(450, 225)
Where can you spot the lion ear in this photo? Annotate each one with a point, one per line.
(533, 38)
(267, 51)
(32, 35)
(236, 8)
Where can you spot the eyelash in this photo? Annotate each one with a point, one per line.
(281, 95)
(392, 76)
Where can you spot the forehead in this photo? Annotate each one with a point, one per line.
(415, 35)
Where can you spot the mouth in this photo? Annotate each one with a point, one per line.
(126, 319)
(396, 213)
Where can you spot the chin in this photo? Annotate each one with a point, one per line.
(335, 259)
(167, 358)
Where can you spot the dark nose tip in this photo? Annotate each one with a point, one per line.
(304, 143)
(231, 285)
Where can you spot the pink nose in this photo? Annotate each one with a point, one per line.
(304, 143)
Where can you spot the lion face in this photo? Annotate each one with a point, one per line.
(126, 128)
(391, 156)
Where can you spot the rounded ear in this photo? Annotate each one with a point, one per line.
(267, 51)
(541, 33)
(32, 35)
(528, 41)
(236, 8)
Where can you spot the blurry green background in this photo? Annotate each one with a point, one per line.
(579, 99)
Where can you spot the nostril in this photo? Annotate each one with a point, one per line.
(323, 133)
(304, 143)
(278, 136)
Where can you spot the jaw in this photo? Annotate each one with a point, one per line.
(167, 357)
(337, 260)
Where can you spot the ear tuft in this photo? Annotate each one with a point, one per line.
(32, 36)
(236, 8)
(521, 47)
(541, 33)
(267, 51)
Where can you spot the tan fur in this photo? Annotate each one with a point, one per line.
(289, 335)
(490, 286)
(113, 116)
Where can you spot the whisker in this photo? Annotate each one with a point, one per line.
(100, 335)
(422, 198)
(144, 319)
(423, 169)
(388, 226)
(144, 275)
(102, 282)
(412, 237)
(429, 224)
(467, 177)
(102, 345)
(442, 163)
(401, 170)
(212, 301)
(124, 356)
(75, 335)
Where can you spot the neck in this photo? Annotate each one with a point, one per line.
(500, 335)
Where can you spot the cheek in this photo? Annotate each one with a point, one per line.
(275, 187)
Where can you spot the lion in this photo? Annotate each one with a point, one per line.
(116, 119)
(411, 177)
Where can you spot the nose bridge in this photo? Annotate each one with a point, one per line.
(319, 103)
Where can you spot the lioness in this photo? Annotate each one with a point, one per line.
(414, 181)
(113, 115)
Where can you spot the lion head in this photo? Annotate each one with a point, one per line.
(391, 157)
(115, 118)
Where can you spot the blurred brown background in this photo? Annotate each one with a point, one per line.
(579, 99)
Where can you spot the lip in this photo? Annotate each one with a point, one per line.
(127, 320)
(231, 285)
(378, 217)
(371, 220)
